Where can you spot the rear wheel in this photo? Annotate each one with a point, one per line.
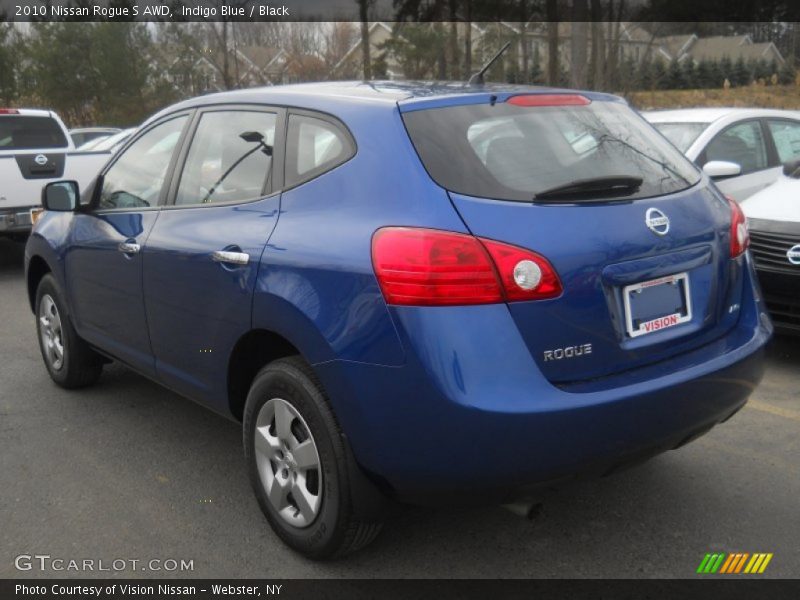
(298, 463)
(69, 360)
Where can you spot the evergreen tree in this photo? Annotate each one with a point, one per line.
(122, 66)
(703, 75)
(716, 74)
(8, 64)
(787, 74)
(59, 70)
(762, 70)
(674, 79)
(659, 75)
(740, 74)
(644, 75)
(689, 74)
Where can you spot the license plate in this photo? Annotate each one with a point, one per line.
(657, 304)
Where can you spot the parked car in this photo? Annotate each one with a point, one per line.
(82, 135)
(431, 293)
(773, 216)
(111, 143)
(35, 148)
(742, 149)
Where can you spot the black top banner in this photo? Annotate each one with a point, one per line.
(766, 11)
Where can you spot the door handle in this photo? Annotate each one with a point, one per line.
(129, 248)
(231, 258)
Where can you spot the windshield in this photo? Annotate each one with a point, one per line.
(30, 133)
(111, 142)
(681, 134)
(512, 152)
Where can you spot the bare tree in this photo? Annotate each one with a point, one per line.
(363, 16)
(452, 41)
(467, 39)
(598, 53)
(338, 39)
(579, 41)
(551, 14)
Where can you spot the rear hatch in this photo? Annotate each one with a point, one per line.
(640, 244)
(32, 148)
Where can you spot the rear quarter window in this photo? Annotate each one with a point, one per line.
(314, 146)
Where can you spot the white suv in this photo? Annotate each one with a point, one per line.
(35, 148)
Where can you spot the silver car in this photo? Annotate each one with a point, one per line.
(742, 149)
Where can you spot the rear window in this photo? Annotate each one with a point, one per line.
(511, 152)
(30, 133)
(682, 135)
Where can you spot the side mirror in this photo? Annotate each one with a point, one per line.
(61, 196)
(720, 169)
(792, 169)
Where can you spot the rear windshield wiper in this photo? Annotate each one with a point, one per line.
(608, 186)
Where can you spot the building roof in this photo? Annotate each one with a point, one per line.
(676, 45)
(260, 56)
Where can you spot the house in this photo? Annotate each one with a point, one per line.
(349, 66)
(716, 48)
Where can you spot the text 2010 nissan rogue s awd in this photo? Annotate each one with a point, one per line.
(408, 290)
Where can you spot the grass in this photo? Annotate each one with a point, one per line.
(773, 96)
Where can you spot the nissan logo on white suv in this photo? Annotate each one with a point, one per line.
(793, 254)
(40, 160)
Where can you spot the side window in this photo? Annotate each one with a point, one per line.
(314, 146)
(136, 178)
(230, 158)
(786, 135)
(742, 144)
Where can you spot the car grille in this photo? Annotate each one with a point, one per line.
(785, 310)
(769, 251)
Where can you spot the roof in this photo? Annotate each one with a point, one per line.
(709, 115)
(27, 112)
(325, 95)
(260, 56)
(95, 130)
(676, 45)
(719, 47)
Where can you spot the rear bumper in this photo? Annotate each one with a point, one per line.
(470, 415)
(16, 220)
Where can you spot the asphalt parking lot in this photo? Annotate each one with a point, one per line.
(129, 470)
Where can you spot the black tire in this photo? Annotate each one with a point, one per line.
(80, 366)
(336, 529)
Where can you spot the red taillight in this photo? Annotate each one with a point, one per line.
(525, 275)
(549, 100)
(427, 267)
(740, 237)
(9, 111)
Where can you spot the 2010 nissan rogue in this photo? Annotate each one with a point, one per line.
(414, 291)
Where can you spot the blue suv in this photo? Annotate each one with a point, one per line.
(419, 292)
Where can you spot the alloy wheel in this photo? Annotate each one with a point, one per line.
(288, 463)
(51, 333)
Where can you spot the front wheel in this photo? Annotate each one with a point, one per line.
(298, 463)
(69, 360)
